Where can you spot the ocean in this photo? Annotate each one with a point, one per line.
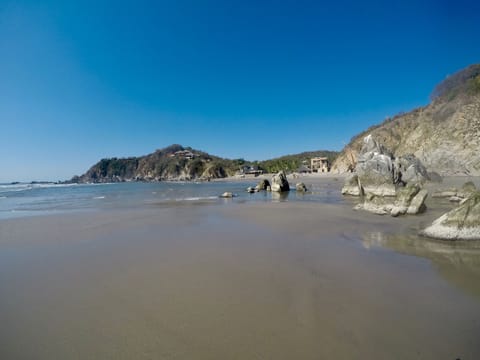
(30, 199)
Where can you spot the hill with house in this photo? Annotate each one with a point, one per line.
(444, 135)
(176, 162)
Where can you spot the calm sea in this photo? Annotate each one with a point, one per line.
(18, 200)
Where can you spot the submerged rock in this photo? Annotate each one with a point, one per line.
(301, 187)
(461, 223)
(280, 182)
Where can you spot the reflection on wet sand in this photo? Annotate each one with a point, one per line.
(457, 262)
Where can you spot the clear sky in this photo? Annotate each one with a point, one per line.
(84, 80)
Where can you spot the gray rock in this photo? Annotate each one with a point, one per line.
(375, 169)
(269, 188)
(375, 204)
(379, 174)
(251, 190)
(301, 187)
(263, 184)
(417, 205)
(461, 223)
(403, 199)
(279, 182)
(352, 186)
(411, 169)
(227, 194)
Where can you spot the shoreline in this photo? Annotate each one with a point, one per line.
(283, 280)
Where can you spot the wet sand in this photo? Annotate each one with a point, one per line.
(284, 280)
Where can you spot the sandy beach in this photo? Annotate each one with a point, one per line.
(271, 280)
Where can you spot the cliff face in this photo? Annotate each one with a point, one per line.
(445, 135)
(172, 163)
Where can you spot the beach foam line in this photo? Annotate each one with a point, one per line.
(197, 198)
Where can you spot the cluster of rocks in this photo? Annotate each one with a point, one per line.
(393, 186)
(388, 185)
(279, 184)
(456, 195)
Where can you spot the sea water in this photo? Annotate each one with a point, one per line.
(27, 199)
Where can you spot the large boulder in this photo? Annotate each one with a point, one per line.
(375, 168)
(379, 173)
(280, 182)
(461, 223)
(410, 170)
(409, 200)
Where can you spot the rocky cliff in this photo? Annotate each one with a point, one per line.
(444, 135)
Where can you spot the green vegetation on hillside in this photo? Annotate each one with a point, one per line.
(178, 162)
(291, 163)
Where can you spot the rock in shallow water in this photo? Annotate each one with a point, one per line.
(461, 223)
(263, 184)
(301, 187)
(280, 183)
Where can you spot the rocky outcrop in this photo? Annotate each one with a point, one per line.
(280, 182)
(378, 173)
(444, 136)
(375, 169)
(461, 223)
(408, 200)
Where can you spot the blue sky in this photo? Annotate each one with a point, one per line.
(84, 80)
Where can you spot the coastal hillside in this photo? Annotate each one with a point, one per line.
(176, 162)
(444, 135)
(291, 163)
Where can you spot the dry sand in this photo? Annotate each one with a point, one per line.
(285, 280)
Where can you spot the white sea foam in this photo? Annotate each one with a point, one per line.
(98, 197)
(197, 198)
